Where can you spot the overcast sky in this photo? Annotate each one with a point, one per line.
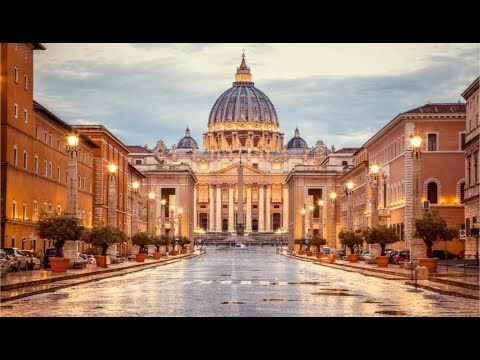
(340, 93)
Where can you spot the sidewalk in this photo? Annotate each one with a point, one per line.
(450, 283)
(26, 283)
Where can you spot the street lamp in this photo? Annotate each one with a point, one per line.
(333, 232)
(162, 216)
(151, 218)
(349, 204)
(180, 212)
(374, 169)
(310, 231)
(112, 196)
(416, 142)
(303, 212)
(172, 229)
(72, 186)
(135, 186)
(320, 215)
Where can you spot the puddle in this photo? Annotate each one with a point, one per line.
(304, 283)
(297, 300)
(231, 302)
(387, 305)
(98, 307)
(333, 293)
(57, 296)
(371, 302)
(391, 312)
(224, 275)
(332, 289)
(274, 299)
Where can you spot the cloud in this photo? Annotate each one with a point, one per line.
(148, 92)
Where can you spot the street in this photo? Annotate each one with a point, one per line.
(251, 281)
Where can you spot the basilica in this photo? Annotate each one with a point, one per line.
(243, 126)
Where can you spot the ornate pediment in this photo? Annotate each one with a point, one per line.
(233, 170)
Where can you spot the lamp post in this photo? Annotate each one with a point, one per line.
(112, 196)
(180, 212)
(135, 186)
(333, 230)
(72, 188)
(172, 228)
(151, 210)
(303, 212)
(374, 168)
(416, 250)
(320, 215)
(310, 231)
(162, 216)
(474, 232)
(349, 204)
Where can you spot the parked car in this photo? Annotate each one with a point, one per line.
(326, 250)
(8, 262)
(31, 256)
(388, 252)
(50, 252)
(90, 259)
(392, 254)
(444, 254)
(402, 255)
(341, 253)
(15, 252)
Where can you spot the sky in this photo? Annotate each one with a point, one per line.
(339, 93)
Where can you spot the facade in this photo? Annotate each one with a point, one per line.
(243, 126)
(472, 168)
(34, 155)
(442, 128)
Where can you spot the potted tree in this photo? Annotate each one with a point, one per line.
(431, 229)
(300, 243)
(318, 240)
(184, 241)
(164, 241)
(174, 242)
(141, 239)
(102, 236)
(156, 240)
(381, 235)
(350, 239)
(59, 228)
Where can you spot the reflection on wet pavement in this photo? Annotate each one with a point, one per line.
(253, 282)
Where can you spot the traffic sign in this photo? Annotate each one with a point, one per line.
(463, 234)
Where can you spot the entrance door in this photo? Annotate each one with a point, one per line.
(224, 225)
(276, 221)
(203, 221)
(254, 225)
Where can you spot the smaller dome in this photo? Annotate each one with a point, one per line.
(297, 142)
(187, 142)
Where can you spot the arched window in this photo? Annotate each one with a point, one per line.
(462, 193)
(432, 193)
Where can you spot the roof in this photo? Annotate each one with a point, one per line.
(471, 88)
(135, 170)
(438, 108)
(99, 128)
(351, 150)
(43, 110)
(138, 149)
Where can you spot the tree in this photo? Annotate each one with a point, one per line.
(350, 239)
(104, 236)
(142, 239)
(59, 228)
(299, 242)
(433, 228)
(318, 241)
(381, 235)
(184, 241)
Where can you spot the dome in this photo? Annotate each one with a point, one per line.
(187, 142)
(296, 142)
(243, 102)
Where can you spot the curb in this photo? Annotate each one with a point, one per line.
(442, 291)
(95, 276)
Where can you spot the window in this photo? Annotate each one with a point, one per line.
(15, 110)
(138, 161)
(59, 209)
(58, 173)
(462, 193)
(14, 154)
(50, 139)
(469, 168)
(432, 142)
(36, 131)
(14, 210)
(45, 206)
(35, 210)
(432, 194)
(50, 169)
(25, 158)
(25, 81)
(83, 183)
(25, 116)
(58, 144)
(90, 185)
(46, 137)
(344, 163)
(462, 141)
(45, 172)
(15, 73)
(475, 167)
(24, 211)
(50, 208)
(35, 164)
(255, 166)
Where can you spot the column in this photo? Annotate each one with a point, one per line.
(218, 219)
(72, 186)
(151, 217)
(112, 202)
(261, 210)
(248, 225)
(285, 208)
(211, 215)
(230, 208)
(333, 229)
(135, 212)
(195, 220)
(268, 200)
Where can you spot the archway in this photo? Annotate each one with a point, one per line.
(254, 225)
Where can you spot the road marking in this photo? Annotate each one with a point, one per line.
(186, 282)
(206, 282)
(226, 282)
(282, 283)
(246, 282)
(264, 282)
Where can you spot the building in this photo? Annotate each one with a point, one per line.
(442, 128)
(243, 126)
(34, 155)
(472, 168)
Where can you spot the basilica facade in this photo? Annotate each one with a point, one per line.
(243, 127)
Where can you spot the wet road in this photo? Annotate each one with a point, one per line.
(242, 282)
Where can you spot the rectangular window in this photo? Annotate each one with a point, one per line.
(14, 210)
(14, 154)
(83, 183)
(138, 161)
(46, 137)
(25, 116)
(45, 170)
(15, 110)
(59, 209)
(24, 211)
(35, 164)
(58, 144)
(255, 166)
(15, 73)
(432, 142)
(475, 167)
(36, 131)
(50, 139)
(25, 159)
(35, 210)
(462, 141)
(50, 208)
(58, 173)
(45, 206)
(90, 185)
(25, 81)
(50, 169)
